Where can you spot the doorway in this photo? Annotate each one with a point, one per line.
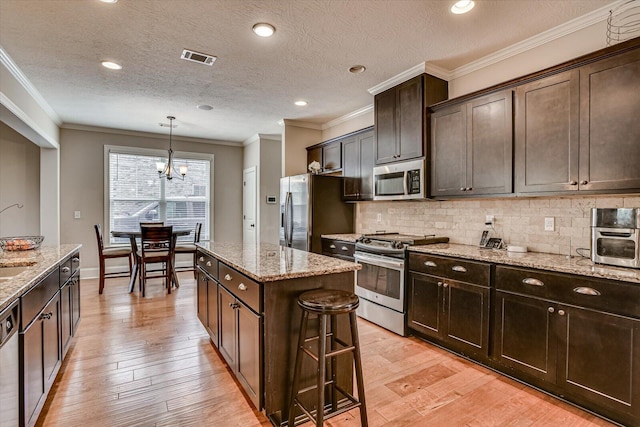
(249, 223)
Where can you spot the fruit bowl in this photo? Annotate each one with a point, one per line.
(20, 243)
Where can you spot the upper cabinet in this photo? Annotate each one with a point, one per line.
(400, 118)
(579, 130)
(358, 162)
(328, 154)
(472, 146)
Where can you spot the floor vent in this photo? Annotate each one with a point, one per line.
(202, 58)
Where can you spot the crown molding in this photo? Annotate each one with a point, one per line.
(396, 80)
(270, 136)
(86, 128)
(360, 112)
(301, 124)
(17, 73)
(437, 71)
(22, 123)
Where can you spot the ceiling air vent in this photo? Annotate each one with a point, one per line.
(202, 58)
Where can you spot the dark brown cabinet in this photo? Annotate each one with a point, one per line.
(40, 344)
(228, 326)
(472, 147)
(69, 301)
(400, 118)
(451, 304)
(338, 249)
(562, 333)
(201, 296)
(328, 154)
(358, 163)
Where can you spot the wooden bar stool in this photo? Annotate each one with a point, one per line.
(325, 304)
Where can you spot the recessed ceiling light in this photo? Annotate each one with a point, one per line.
(111, 65)
(462, 6)
(205, 107)
(301, 103)
(109, 1)
(263, 29)
(356, 69)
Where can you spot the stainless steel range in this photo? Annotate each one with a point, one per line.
(380, 283)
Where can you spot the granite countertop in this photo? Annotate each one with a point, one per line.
(265, 262)
(344, 237)
(549, 262)
(40, 261)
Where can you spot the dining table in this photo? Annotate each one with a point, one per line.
(132, 235)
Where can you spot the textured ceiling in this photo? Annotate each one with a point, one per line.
(59, 44)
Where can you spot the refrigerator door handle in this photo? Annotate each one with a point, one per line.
(285, 223)
(290, 218)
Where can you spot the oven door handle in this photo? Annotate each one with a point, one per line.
(396, 265)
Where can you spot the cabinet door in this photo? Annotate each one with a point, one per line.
(332, 157)
(609, 125)
(351, 167)
(32, 374)
(51, 340)
(387, 147)
(367, 163)
(466, 312)
(524, 336)
(599, 358)
(75, 303)
(66, 322)
(202, 298)
(489, 161)
(546, 143)
(212, 310)
(249, 370)
(409, 116)
(448, 151)
(424, 304)
(228, 331)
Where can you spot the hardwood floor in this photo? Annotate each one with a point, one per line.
(148, 362)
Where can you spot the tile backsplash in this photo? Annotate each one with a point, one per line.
(519, 221)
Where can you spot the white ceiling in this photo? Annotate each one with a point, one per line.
(58, 45)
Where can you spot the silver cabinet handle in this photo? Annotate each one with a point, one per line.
(561, 312)
(231, 305)
(75, 260)
(208, 263)
(344, 248)
(573, 183)
(242, 287)
(332, 246)
(533, 282)
(446, 285)
(586, 291)
(201, 259)
(227, 277)
(551, 309)
(439, 283)
(583, 182)
(66, 269)
(459, 269)
(430, 264)
(463, 189)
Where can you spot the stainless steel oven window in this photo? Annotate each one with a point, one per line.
(380, 280)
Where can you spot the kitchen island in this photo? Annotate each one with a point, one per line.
(247, 301)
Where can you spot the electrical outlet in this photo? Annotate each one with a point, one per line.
(489, 220)
(76, 214)
(379, 217)
(549, 223)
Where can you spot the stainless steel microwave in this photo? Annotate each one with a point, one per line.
(399, 181)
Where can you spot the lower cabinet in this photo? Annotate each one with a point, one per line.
(69, 311)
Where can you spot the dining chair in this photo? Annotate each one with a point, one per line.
(110, 253)
(190, 248)
(157, 245)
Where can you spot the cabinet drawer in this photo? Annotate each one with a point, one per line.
(241, 286)
(613, 297)
(32, 302)
(451, 268)
(338, 247)
(208, 263)
(69, 267)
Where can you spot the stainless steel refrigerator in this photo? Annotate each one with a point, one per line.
(310, 206)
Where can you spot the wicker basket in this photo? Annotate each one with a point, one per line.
(20, 243)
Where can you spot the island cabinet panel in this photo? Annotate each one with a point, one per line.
(201, 296)
(547, 121)
(567, 334)
(212, 323)
(249, 356)
(472, 147)
(228, 326)
(451, 303)
(609, 125)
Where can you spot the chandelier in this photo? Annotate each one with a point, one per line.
(167, 170)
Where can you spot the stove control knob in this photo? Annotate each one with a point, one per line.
(398, 245)
(366, 240)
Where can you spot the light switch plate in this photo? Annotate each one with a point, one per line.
(76, 214)
(549, 223)
(379, 217)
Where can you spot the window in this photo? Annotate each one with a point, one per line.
(136, 194)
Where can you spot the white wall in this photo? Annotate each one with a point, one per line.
(82, 183)
(19, 183)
